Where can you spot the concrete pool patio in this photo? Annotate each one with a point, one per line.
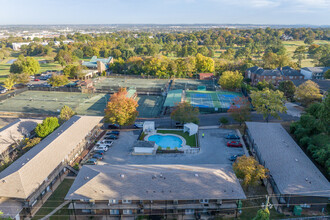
(213, 150)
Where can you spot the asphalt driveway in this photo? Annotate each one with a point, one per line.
(213, 150)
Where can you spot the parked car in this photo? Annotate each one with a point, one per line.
(234, 157)
(111, 137)
(234, 144)
(99, 152)
(98, 156)
(101, 147)
(113, 126)
(106, 142)
(232, 136)
(113, 132)
(138, 124)
(91, 161)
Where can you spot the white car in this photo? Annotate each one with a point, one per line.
(108, 143)
(101, 147)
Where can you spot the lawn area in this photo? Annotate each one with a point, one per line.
(292, 45)
(56, 199)
(191, 140)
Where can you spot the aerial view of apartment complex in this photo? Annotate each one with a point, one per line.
(137, 110)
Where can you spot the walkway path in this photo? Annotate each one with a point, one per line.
(55, 210)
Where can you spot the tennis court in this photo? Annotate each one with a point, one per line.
(149, 106)
(51, 102)
(211, 99)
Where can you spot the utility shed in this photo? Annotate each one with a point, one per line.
(144, 147)
(293, 176)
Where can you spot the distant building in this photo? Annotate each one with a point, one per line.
(294, 179)
(34, 176)
(314, 72)
(128, 191)
(100, 64)
(13, 133)
(17, 46)
(258, 74)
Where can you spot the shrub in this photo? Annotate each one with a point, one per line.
(32, 142)
(224, 120)
(168, 148)
(47, 126)
(159, 148)
(76, 166)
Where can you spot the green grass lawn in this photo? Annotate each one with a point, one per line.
(191, 140)
(292, 45)
(56, 199)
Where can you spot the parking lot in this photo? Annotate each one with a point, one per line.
(213, 150)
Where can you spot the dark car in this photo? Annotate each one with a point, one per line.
(113, 126)
(113, 133)
(91, 161)
(98, 156)
(234, 144)
(234, 157)
(111, 137)
(101, 152)
(232, 136)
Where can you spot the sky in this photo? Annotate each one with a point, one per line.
(314, 12)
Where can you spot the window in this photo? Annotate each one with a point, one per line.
(127, 201)
(114, 211)
(86, 211)
(189, 211)
(204, 201)
(127, 212)
(113, 201)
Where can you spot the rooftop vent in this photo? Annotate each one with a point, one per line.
(296, 160)
(196, 174)
(87, 178)
(3, 181)
(122, 175)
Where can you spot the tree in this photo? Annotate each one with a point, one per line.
(262, 214)
(308, 40)
(9, 83)
(58, 80)
(231, 80)
(327, 74)
(47, 126)
(299, 54)
(204, 64)
(64, 57)
(307, 93)
(240, 109)
(66, 113)
(288, 88)
(185, 113)
(121, 109)
(23, 78)
(268, 103)
(248, 169)
(27, 65)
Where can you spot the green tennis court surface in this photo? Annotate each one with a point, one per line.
(210, 99)
(51, 102)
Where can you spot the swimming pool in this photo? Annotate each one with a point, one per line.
(166, 140)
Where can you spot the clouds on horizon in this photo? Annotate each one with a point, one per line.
(165, 11)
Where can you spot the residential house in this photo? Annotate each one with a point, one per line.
(30, 180)
(12, 134)
(314, 72)
(128, 191)
(293, 177)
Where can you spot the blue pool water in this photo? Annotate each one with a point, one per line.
(166, 141)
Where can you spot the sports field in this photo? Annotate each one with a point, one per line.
(192, 84)
(210, 99)
(149, 106)
(109, 83)
(52, 102)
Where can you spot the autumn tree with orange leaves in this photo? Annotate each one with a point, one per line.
(240, 109)
(121, 109)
